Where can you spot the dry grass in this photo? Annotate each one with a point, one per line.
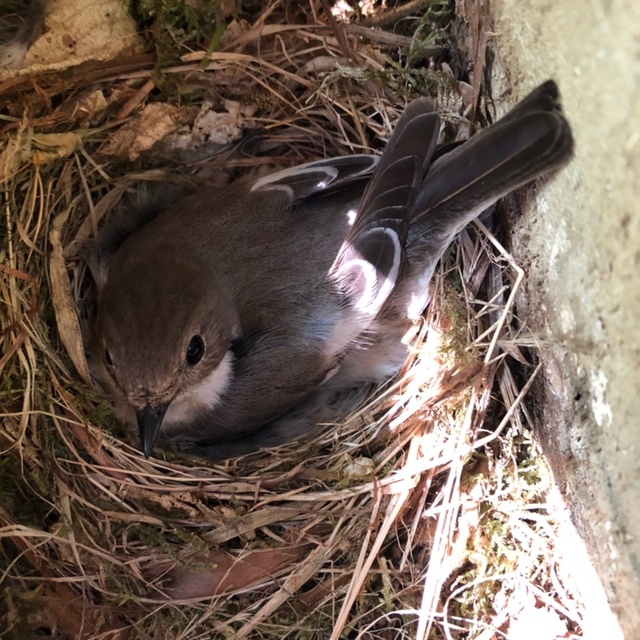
(422, 515)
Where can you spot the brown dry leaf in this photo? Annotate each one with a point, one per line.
(63, 305)
(90, 105)
(225, 573)
(154, 123)
(57, 608)
(53, 146)
(39, 148)
(219, 128)
(81, 30)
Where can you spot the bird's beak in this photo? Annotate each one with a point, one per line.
(149, 420)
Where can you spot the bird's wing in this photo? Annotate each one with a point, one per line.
(370, 259)
(319, 178)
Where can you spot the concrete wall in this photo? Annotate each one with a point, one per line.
(580, 244)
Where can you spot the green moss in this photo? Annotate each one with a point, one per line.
(431, 29)
(455, 343)
(175, 27)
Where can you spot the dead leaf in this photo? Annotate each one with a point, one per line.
(53, 146)
(154, 123)
(63, 306)
(223, 572)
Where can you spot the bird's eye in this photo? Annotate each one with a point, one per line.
(195, 351)
(107, 358)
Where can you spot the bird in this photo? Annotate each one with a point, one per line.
(239, 318)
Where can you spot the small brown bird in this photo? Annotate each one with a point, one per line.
(239, 318)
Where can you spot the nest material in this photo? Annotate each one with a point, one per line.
(415, 515)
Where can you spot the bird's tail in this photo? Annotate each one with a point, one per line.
(533, 139)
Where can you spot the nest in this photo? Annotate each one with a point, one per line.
(421, 513)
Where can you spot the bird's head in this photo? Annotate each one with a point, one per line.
(165, 328)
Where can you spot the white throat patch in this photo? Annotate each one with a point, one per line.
(205, 395)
